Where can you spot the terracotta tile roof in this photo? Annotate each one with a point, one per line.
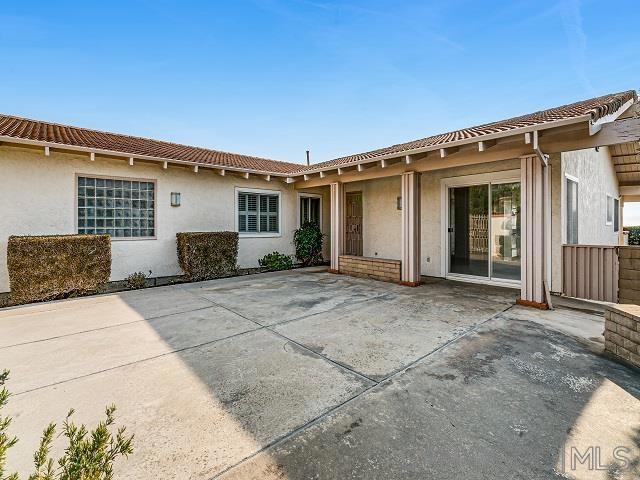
(595, 108)
(35, 130)
(26, 129)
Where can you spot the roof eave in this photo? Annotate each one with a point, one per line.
(455, 143)
(115, 153)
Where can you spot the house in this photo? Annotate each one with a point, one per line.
(496, 203)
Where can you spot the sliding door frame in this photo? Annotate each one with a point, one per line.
(505, 176)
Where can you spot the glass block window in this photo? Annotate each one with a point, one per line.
(120, 208)
(258, 212)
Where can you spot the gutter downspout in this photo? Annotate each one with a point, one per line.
(546, 227)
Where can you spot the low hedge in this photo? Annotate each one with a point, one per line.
(634, 235)
(206, 255)
(57, 266)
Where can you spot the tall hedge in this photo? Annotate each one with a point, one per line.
(206, 255)
(57, 266)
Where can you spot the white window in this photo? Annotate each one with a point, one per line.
(258, 212)
(310, 209)
(610, 207)
(571, 206)
(122, 208)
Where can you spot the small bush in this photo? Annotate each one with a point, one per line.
(308, 242)
(137, 280)
(634, 235)
(89, 455)
(276, 261)
(57, 266)
(206, 255)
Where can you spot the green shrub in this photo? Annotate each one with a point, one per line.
(136, 280)
(205, 255)
(308, 242)
(89, 455)
(57, 266)
(634, 235)
(276, 261)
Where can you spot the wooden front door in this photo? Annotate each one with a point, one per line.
(353, 224)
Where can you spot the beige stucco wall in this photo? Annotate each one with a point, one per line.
(596, 179)
(38, 197)
(381, 220)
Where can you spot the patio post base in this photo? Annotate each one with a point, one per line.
(331, 270)
(530, 303)
(411, 284)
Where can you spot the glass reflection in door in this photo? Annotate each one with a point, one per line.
(469, 230)
(505, 231)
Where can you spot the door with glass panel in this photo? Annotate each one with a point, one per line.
(484, 231)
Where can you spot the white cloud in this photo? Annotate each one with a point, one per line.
(577, 41)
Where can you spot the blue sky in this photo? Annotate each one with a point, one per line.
(274, 78)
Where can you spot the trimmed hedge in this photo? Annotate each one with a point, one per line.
(206, 255)
(57, 266)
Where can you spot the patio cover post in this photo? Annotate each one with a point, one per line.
(532, 239)
(410, 229)
(337, 225)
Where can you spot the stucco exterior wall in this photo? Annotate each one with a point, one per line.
(596, 179)
(38, 198)
(381, 220)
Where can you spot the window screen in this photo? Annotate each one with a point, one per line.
(572, 211)
(609, 210)
(616, 215)
(258, 213)
(120, 208)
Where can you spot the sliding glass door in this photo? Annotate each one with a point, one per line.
(484, 231)
(469, 230)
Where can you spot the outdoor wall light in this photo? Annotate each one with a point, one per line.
(175, 199)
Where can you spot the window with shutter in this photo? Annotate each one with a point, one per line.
(258, 212)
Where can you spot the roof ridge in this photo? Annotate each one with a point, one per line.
(147, 139)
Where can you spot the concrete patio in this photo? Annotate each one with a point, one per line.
(305, 374)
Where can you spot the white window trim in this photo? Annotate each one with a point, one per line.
(114, 177)
(563, 205)
(238, 190)
(307, 195)
(609, 197)
(505, 176)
